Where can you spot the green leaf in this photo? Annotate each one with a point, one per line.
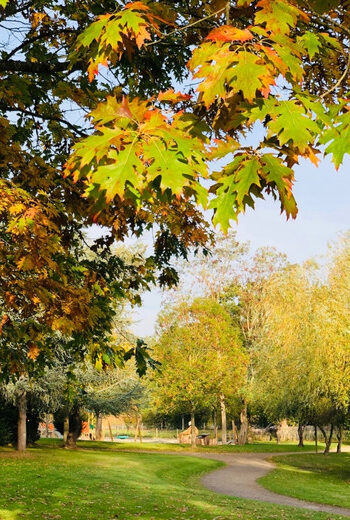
(247, 175)
(112, 177)
(339, 138)
(291, 123)
(310, 42)
(247, 73)
(91, 33)
(224, 206)
(276, 173)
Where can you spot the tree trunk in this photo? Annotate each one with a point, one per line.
(234, 433)
(282, 431)
(243, 431)
(99, 432)
(215, 427)
(22, 422)
(65, 429)
(327, 439)
(301, 428)
(193, 432)
(316, 435)
(183, 422)
(110, 431)
(340, 438)
(75, 427)
(223, 420)
(138, 429)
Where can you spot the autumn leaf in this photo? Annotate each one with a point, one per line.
(338, 138)
(171, 96)
(33, 352)
(228, 33)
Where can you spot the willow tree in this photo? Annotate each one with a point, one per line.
(202, 360)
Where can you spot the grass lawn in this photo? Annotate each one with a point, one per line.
(256, 447)
(56, 484)
(319, 478)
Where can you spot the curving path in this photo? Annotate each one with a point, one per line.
(239, 479)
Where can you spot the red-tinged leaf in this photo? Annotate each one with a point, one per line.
(279, 16)
(171, 96)
(228, 33)
(93, 68)
(137, 6)
(124, 109)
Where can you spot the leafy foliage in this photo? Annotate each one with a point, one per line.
(259, 65)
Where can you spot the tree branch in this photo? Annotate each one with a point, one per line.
(32, 68)
(33, 39)
(185, 27)
(74, 128)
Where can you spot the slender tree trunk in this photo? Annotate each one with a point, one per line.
(243, 431)
(99, 432)
(138, 430)
(215, 426)
(47, 425)
(281, 431)
(193, 432)
(234, 433)
(327, 439)
(316, 439)
(301, 428)
(22, 422)
(110, 431)
(65, 429)
(223, 419)
(183, 422)
(340, 438)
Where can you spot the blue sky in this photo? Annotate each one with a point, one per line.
(324, 212)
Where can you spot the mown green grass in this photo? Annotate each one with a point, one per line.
(318, 478)
(256, 447)
(57, 484)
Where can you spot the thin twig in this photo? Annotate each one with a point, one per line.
(184, 28)
(340, 80)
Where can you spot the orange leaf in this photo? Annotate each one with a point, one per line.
(139, 6)
(33, 352)
(228, 33)
(172, 96)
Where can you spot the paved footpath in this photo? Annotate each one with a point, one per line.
(239, 479)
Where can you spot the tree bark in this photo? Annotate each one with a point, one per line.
(138, 429)
(65, 429)
(193, 432)
(22, 422)
(234, 433)
(281, 431)
(301, 428)
(99, 432)
(327, 439)
(340, 438)
(75, 427)
(110, 431)
(243, 431)
(316, 435)
(183, 422)
(223, 420)
(215, 427)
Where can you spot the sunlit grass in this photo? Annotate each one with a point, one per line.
(318, 478)
(256, 447)
(58, 484)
